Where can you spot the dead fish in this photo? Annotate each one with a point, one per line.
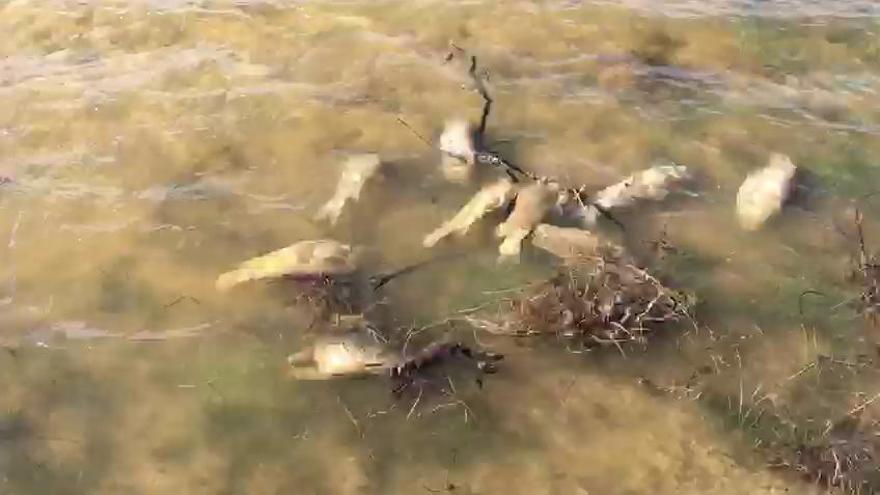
(765, 191)
(459, 150)
(348, 354)
(533, 203)
(490, 198)
(570, 242)
(355, 174)
(652, 184)
(305, 258)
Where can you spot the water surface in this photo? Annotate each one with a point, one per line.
(148, 146)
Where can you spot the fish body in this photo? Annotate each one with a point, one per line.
(303, 259)
(652, 184)
(459, 150)
(490, 198)
(571, 243)
(355, 174)
(566, 242)
(348, 354)
(765, 191)
(533, 203)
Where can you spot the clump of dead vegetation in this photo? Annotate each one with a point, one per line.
(845, 457)
(603, 301)
(863, 274)
(866, 273)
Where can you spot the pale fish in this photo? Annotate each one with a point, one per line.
(358, 169)
(572, 243)
(533, 203)
(765, 191)
(349, 354)
(652, 184)
(490, 198)
(305, 258)
(458, 150)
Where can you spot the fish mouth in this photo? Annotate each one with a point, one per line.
(301, 359)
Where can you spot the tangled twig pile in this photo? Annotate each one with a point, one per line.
(867, 274)
(606, 302)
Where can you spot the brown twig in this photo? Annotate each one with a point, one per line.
(863, 405)
(354, 421)
(415, 132)
(487, 100)
(415, 403)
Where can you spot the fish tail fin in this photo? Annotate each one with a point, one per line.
(330, 212)
(512, 245)
(589, 216)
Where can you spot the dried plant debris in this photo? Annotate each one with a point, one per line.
(492, 197)
(845, 457)
(408, 370)
(764, 192)
(358, 169)
(866, 274)
(571, 243)
(608, 302)
(851, 465)
(305, 259)
(533, 203)
(652, 184)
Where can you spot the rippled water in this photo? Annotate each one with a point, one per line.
(147, 146)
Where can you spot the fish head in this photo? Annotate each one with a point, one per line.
(350, 353)
(457, 140)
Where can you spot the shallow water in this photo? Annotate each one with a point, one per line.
(148, 146)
